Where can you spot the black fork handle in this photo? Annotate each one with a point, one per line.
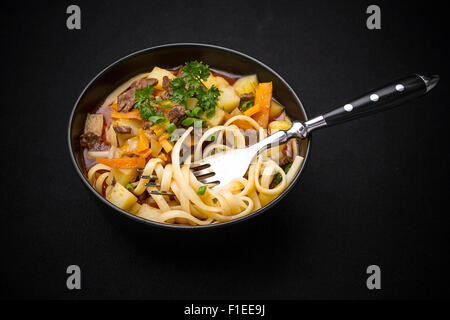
(383, 98)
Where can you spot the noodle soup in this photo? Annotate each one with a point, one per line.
(143, 137)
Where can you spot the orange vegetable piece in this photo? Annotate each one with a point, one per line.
(249, 112)
(123, 163)
(135, 114)
(243, 124)
(143, 143)
(145, 154)
(263, 98)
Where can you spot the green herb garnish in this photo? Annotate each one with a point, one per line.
(192, 121)
(157, 119)
(144, 102)
(190, 84)
(201, 190)
(287, 167)
(277, 177)
(212, 137)
(171, 127)
(174, 136)
(246, 105)
(129, 186)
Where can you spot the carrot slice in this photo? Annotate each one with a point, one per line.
(143, 143)
(135, 114)
(145, 154)
(263, 98)
(243, 124)
(123, 163)
(256, 108)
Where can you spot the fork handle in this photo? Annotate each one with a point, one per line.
(383, 98)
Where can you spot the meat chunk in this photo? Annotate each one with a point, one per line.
(165, 95)
(284, 159)
(122, 129)
(247, 97)
(142, 83)
(176, 114)
(125, 101)
(93, 142)
(147, 125)
(166, 85)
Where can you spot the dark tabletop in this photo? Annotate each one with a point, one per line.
(375, 191)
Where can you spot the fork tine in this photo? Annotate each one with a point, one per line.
(152, 185)
(204, 176)
(210, 182)
(200, 166)
(161, 193)
(149, 177)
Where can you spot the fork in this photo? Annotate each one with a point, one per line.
(222, 168)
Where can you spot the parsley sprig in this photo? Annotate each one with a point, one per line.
(144, 101)
(190, 84)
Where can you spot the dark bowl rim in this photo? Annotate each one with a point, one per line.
(172, 226)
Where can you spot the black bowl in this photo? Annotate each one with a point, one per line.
(172, 55)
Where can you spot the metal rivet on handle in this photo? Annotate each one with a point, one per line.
(374, 97)
(348, 107)
(399, 87)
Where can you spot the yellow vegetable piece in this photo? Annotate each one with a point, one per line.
(210, 81)
(191, 103)
(156, 147)
(246, 84)
(167, 145)
(217, 119)
(94, 124)
(228, 99)
(275, 109)
(220, 81)
(124, 176)
(159, 74)
(134, 124)
(121, 197)
(275, 126)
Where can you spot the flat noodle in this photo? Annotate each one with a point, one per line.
(239, 198)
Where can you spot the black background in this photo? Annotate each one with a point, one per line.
(375, 190)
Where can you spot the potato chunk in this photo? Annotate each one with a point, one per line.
(228, 99)
(134, 124)
(220, 81)
(275, 109)
(210, 81)
(217, 119)
(246, 84)
(275, 126)
(159, 74)
(124, 176)
(215, 80)
(94, 124)
(121, 197)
